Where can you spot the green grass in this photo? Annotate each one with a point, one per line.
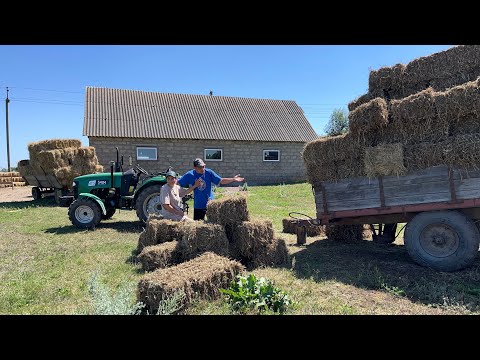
(46, 265)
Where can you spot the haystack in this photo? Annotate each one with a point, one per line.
(361, 100)
(290, 227)
(159, 256)
(344, 233)
(44, 145)
(384, 160)
(227, 210)
(388, 80)
(201, 278)
(462, 151)
(368, 120)
(422, 156)
(198, 237)
(159, 231)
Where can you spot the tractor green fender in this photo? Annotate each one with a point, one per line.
(97, 199)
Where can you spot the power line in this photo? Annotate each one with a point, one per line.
(70, 101)
(48, 102)
(65, 91)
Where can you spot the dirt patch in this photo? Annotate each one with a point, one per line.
(16, 194)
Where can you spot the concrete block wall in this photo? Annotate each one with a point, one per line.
(239, 157)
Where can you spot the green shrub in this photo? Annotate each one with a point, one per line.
(255, 294)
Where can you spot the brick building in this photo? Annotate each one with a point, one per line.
(260, 139)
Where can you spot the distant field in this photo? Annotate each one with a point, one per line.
(46, 264)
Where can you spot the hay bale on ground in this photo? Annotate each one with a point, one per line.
(344, 233)
(415, 120)
(249, 237)
(13, 174)
(227, 210)
(198, 237)
(272, 254)
(290, 227)
(384, 160)
(201, 278)
(159, 256)
(367, 120)
(158, 231)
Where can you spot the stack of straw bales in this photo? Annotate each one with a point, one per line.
(10, 179)
(418, 115)
(199, 278)
(63, 158)
(290, 227)
(251, 242)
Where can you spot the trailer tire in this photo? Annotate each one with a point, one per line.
(148, 202)
(36, 193)
(85, 213)
(443, 240)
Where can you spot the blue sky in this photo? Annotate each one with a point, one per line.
(47, 83)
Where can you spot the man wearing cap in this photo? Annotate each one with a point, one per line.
(171, 195)
(203, 192)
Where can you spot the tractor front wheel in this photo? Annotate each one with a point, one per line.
(148, 202)
(85, 213)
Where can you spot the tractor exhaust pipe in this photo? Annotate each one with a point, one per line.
(111, 174)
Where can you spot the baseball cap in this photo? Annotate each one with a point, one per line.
(171, 173)
(198, 162)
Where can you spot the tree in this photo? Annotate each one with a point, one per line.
(338, 123)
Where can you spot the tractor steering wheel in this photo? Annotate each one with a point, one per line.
(142, 170)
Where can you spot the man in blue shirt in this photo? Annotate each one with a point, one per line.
(203, 193)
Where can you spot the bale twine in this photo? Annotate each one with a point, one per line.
(227, 210)
(200, 278)
(198, 237)
(290, 227)
(158, 231)
(159, 256)
(367, 120)
(384, 160)
(344, 233)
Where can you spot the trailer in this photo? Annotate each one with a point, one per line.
(440, 206)
(44, 183)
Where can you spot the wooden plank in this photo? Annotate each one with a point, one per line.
(352, 195)
(408, 190)
(418, 198)
(356, 184)
(352, 205)
(436, 173)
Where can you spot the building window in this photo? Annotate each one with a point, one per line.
(146, 153)
(271, 155)
(213, 154)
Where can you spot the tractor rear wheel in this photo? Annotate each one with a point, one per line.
(148, 202)
(85, 213)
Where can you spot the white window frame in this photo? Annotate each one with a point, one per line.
(147, 147)
(214, 149)
(264, 151)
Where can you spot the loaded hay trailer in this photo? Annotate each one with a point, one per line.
(440, 206)
(47, 184)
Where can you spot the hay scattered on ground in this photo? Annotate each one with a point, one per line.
(290, 227)
(384, 160)
(344, 233)
(201, 278)
(198, 237)
(227, 210)
(159, 256)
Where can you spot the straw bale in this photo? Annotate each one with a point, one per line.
(458, 102)
(227, 210)
(387, 79)
(249, 237)
(290, 227)
(414, 120)
(65, 175)
(159, 256)
(422, 155)
(456, 79)
(465, 125)
(87, 152)
(10, 174)
(158, 230)
(99, 168)
(272, 254)
(367, 233)
(198, 237)
(360, 101)
(368, 119)
(36, 147)
(384, 160)
(344, 233)
(201, 278)
(462, 151)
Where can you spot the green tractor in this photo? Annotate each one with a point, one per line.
(96, 197)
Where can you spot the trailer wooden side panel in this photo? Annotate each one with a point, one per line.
(433, 185)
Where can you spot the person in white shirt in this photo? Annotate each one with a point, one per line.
(171, 195)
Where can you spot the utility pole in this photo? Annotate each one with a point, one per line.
(7, 100)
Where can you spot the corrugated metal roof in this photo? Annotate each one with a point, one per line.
(142, 114)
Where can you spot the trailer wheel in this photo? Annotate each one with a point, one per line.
(148, 202)
(442, 240)
(36, 193)
(110, 212)
(85, 213)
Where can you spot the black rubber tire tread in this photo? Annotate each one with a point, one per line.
(145, 193)
(97, 213)
(36, 193)
(468, 233)
(110, 213)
